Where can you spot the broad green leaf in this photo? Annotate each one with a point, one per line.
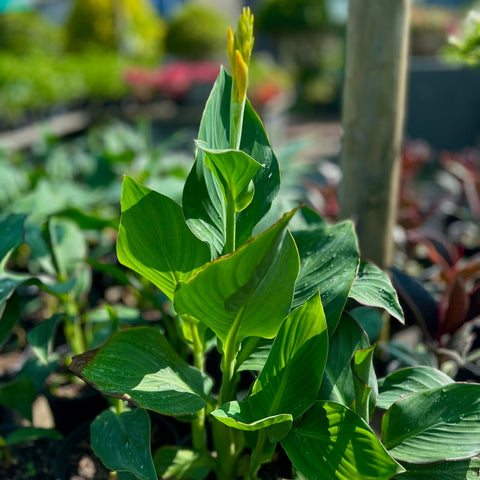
(246, 293)
(30, 434)
(11, 227)
(253, 354)
(338, 383)
(19, 394)
(239, 415)
(372, 287)
(122, 442)
(328, 262)
(409, 380)
(139, 365)
(202, 199)
(434, 425)
(255, 143)
(292, 375)
(9, 313)
(234, 171)
(41, 337)
(332, 442)
(459, 470)
(365, 382)
(181, 463)
(154, 239)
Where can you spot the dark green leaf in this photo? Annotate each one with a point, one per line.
(328, 262)
(30, 434)
(434, 425)
(122, 442)
(41, 337)
(409, 380)
(154, 240)
(246, 293)
(372, 287)
(20, 394)
(338, 383)
(370, 319)
(11, 227)
(332, 442)
(139, 365)
(459, 470)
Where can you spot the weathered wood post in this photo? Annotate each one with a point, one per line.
(373, 117)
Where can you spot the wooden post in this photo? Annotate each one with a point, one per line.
(373, 117)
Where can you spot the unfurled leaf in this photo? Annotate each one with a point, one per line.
(434, 425)
(338, 383)
(139, 365)
(41, 337)
(122, 442)
(247, 293)
(182, 463)
(154, 239)
(332, 442)
(365, 382)
(234, 171)
(409, 380)
(291, 378)
(373, 288)
(328, 262)
(239, 415)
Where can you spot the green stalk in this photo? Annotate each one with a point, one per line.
(236, 121)
(73, 326)
(199, 437)
(256, 459)
(230, 224)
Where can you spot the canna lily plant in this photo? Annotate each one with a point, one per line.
(276, 305)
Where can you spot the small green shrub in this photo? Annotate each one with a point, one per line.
(196, 32)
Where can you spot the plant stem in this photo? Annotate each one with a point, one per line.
(73, 325)
(199, 437)
(256, 459)
(236, 121)
(230, 225)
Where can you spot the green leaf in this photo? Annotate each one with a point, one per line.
(239, 415)
(328, 262)
(203, 204)
(459, 470)
(181, 463)
(373, 288)
(139, 365)
(19, 394)
(332, 442)
(291, 378)
(41, 337)
(9, 313)
(154, 240)
(254, 142)
(365, 382)
(253, 354)
(409, 380)
(122, 442)
(30, 434)
(11, 227)
(234, 171)
(247, 293)
(338, 382)
(434, 425)
(370, 319)
(68, 245)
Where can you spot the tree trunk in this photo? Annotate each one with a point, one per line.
(373, 116)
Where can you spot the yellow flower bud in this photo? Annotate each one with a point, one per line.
(241, 77)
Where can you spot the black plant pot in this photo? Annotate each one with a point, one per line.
(69, 413)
